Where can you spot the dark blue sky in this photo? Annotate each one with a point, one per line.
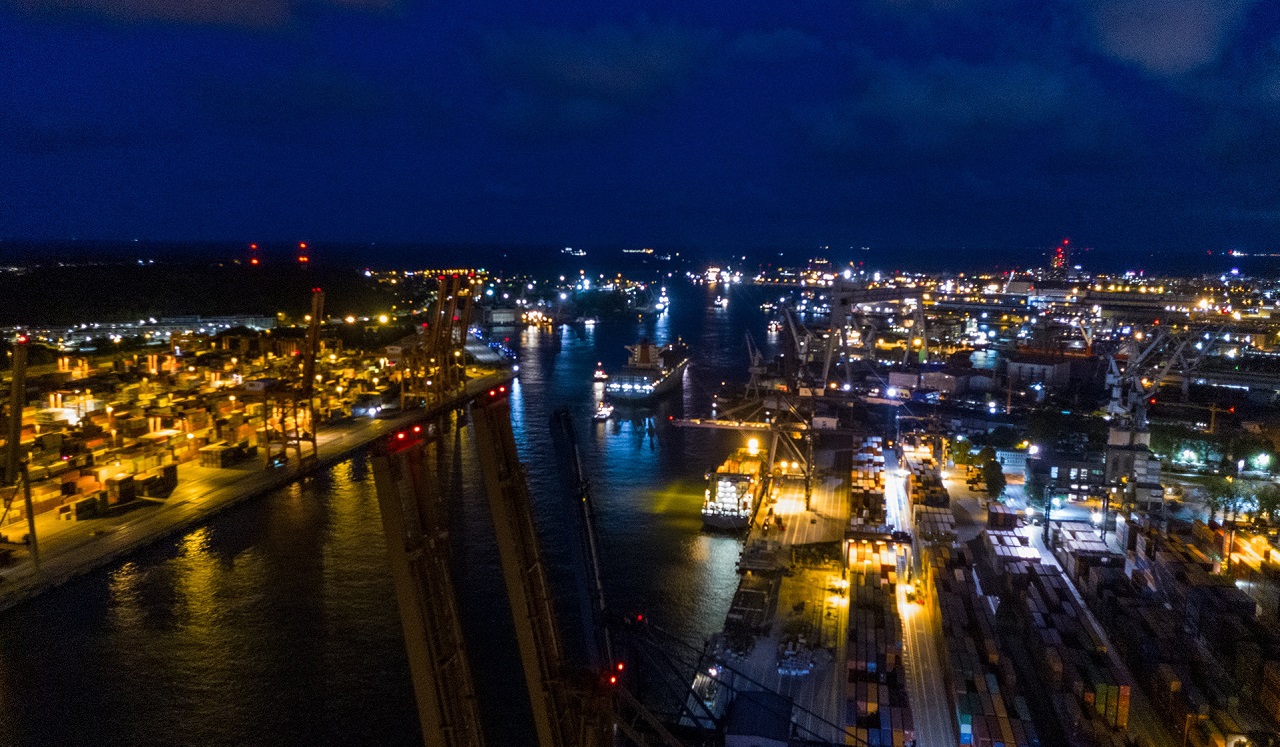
(1126, 124)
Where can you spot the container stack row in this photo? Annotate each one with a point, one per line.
(1089, 696)
(867, 492)
(924, 482)
(1000, 516)
(934, 524)
(1004, 546)
(1193, 638)
(989, 709)
(878, 712)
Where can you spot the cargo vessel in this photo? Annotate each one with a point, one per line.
(733, 492)
(651, 371)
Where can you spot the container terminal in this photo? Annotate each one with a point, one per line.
(933, 554)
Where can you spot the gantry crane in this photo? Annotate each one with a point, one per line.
(1146, 368)
(15, 467)
(289, 402)
(433, 363)
(569, 710)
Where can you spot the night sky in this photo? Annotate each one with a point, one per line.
(1126, 124)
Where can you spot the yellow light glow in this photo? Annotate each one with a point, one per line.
(383, 318)
(753, 446)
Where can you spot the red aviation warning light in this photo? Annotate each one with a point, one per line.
(1060, 256)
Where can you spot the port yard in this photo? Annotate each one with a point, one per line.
(71, 545)
(786, 627)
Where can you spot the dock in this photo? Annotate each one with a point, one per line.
(69, 549)
(786, 629)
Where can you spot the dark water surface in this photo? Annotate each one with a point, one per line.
(276, 622)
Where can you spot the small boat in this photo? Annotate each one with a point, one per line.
(604, 411)
(600, 375)
(722, 302)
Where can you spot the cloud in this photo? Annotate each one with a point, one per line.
(558, 80)
(944, 107)
(45, 138)
(251, 13)
(1166, 37)
(293, 101)
(782, 43)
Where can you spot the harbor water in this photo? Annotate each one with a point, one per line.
(276, 622)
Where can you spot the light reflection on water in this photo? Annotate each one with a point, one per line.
(275, 623)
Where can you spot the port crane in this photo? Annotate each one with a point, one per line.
(570, 708)
(433, 360)
(290, 402)
(1146, 368)
(15, 467)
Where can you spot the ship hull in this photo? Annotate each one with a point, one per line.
(725, 523)
(642, 384)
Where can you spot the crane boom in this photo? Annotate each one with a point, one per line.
(418, 550)
(312, 347)
(599, 643)
(526, 579)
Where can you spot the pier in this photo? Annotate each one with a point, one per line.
(72, 548)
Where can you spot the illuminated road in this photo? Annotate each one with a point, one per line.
(930, 707)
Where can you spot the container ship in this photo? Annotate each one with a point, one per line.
(733, 492)
(651, 371)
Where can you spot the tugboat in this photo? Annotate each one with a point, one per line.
(650, 371)
(604, 411)
(600, 375)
